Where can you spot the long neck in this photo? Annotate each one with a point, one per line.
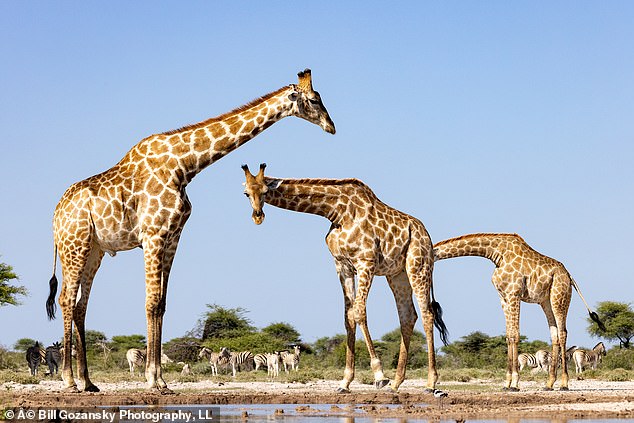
(482, 245)
(322, 197)
(197, 146)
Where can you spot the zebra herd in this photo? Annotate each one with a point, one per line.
(542, 359)
(51, 357)
(246, 360)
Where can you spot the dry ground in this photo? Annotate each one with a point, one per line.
(466, 401)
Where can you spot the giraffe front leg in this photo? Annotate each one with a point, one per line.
(346, 277)
(512, 314)
(157, 265)
(360, 316)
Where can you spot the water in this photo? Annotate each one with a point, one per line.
(312, 413)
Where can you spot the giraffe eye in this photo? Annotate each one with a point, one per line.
(246, 194)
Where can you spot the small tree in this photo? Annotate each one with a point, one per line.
(125, 342)
(23, 344)
(8, 293)
(618, 319)
(283, 331)
(222, 322)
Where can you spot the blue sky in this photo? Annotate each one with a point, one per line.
(472, 116)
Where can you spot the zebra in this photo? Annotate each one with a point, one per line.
(273, 364)
(290, 359)
(539, 361)
(259, 360)
(214, 358)
(240, 360)
(53, 358)
(136, 358)
(34, 357)
(584, 358)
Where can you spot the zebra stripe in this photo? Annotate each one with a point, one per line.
(239, 360)
(53, 358)
(540, 360)
(273, 364)
(34, 357)
(214, 358)
(260, 360)
(584, 358)
(290, 359)
(136, 358)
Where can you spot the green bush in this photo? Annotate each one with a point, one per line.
(619, 358)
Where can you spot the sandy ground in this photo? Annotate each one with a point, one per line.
(465, 401)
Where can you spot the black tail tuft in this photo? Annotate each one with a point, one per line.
(594, 316)
(50, 302)
(438, 322)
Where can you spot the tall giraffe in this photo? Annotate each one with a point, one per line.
(141, 202)
(367, 238)
(522, 274)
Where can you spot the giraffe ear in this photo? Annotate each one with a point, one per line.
(273, 184)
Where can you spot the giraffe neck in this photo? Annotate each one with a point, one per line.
(324, 197)
(490, 246)
(197, 146)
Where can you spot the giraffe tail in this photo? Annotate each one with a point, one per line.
(593, 315)
(436, 310)
(50, 302)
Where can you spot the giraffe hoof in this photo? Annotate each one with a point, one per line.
(428, 391)
(91, 388)
(343, 391)
(392, 390)
(378, 384)
(564, 388)
(71, 389)
(512, 389)
(546, 388)
(164, 390)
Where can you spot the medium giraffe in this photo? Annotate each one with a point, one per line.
(367, 238)
(141, 202)
(522, 274)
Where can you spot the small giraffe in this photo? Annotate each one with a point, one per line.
(367, 238)
(522, 274)
(141, 202)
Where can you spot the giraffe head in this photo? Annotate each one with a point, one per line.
(308, 104)
(255, 188)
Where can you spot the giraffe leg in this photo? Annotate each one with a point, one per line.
(554, 337)
(158, 261)
(79, 317)
(360, 316)
(421, 283)
(560, 294)
(74, 261)
(511, 307)
(346, 277)
(402, 291)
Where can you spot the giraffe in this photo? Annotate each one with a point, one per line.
(141, 202)
(522, 274)
(367, 238)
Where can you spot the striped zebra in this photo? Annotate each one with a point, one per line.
(290, 359)
(241, 360)
(270, 361)
(214, 358)
(136, 358)
(584, 358)
(542, 359)
(53, 358)
(34, 357)
(539, 361)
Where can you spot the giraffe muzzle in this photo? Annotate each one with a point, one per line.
(258, 217)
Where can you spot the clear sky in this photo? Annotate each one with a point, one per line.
(489, 116)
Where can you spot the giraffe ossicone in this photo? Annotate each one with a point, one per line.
(367, 238)
(141, 202)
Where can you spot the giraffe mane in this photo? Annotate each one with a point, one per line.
(327, 182)
(477, 235)
(223, 116)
